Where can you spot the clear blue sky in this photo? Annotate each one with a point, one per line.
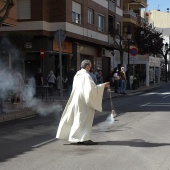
(162, 5)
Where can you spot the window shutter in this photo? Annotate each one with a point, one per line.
(76, 7)
(24, 9)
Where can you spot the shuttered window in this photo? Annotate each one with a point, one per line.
(24, 9)
(76, 12)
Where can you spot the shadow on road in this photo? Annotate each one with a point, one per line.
(134, 143)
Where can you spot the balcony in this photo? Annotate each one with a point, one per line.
(137, 4)
(141, 21)
(130, 18)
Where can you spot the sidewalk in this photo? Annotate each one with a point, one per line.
(15, 111)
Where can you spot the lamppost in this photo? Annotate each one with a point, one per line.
(166, 62)
(129, 36)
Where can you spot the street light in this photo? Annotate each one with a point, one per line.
(166, 46)
(166, 53)
(129, 36)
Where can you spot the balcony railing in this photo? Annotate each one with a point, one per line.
(131, 13)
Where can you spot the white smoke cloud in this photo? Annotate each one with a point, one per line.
(9, 82)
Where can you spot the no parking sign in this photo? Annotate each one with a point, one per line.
(133, 51)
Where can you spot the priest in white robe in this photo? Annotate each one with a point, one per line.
(86, 97)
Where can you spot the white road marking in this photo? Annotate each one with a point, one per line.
(159, 105)
(131, 94)
(145, 105)
(43, 143)
(166, 96)
(156, 104)
(28, 117)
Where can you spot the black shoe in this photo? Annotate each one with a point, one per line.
(80, 143)
(89, 142)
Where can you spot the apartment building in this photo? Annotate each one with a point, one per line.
(86, 25)
(132, 17)
(161, 22)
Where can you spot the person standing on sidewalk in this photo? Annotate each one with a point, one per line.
(91, 72)
(86, 97)
(116, 79)
(39, 78)
(70, 77)
(51, 79)
(123, 81)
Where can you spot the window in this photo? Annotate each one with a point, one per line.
(119, 3)
(90, 16)
(101, 23)
(119, 28)
(111, 23)
(24, 9)
(76, 12)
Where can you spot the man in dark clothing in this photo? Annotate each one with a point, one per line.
(70, 77)
(39, 78)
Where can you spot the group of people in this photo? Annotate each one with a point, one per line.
(120, 79)
(56, 82)
(97, 76)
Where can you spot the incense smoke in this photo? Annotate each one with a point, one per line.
(11, 64)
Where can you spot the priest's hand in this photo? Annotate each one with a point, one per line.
(107, 84)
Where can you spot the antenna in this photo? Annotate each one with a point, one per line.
(158, 7)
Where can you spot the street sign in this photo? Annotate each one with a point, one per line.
(133, 51)
(60, 36)
(42, 52)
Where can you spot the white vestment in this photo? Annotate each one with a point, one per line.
(77, 119)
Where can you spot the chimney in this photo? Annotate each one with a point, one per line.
(167, 10)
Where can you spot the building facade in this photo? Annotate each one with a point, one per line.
(86, 25)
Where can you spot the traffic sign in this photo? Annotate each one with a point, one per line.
(133, 51)
(60, 36)
(42, 52)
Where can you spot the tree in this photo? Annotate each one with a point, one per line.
(5, 8)
(118, 44)
(150, 41)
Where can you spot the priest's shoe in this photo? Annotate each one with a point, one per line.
(89, 142)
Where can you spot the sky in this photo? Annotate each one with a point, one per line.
(162, 5)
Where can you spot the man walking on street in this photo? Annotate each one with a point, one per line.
(86, 97)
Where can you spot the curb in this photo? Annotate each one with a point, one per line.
(28, 112)
(16, 115)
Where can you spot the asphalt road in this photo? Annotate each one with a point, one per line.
(138, 140)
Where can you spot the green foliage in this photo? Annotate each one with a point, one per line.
(147, 40)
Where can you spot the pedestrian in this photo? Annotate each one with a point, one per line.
(123, 81)
(60, 82)
(18, 87)
(51, 80)
(116, 79)
(39, 78)
(86, 97)
(93, 75)
(69, 80)
(99, 77)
